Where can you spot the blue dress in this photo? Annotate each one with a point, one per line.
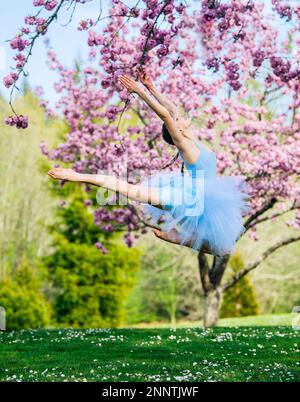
(205, 209)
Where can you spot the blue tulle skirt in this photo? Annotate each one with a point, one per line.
(205, 211)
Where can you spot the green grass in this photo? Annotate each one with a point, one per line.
(186, 354)
(251, 321)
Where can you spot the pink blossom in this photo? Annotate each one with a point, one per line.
(19, 121)
(19, 43)
(10, 79)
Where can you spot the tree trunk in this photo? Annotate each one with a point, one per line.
(211, 278)
(211, 310)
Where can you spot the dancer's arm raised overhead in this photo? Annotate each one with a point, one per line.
(176, 125)
(133, 87)
(162, 99)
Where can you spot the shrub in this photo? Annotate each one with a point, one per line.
(239, 300)
(24, 304)
(90, 287)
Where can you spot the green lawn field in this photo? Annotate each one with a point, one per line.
(165, 354)
(251, 321)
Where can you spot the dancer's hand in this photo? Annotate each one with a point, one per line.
(129, 84)
(146, 79)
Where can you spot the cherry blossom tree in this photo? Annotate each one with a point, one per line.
(228, 65)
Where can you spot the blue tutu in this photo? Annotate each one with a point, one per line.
(205, 209)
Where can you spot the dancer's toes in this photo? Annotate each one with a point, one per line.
(63, 174)
(171, 236)
(158, 233)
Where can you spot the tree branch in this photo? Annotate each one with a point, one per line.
(21, 70)
(263, 209)
(256, 263)
(275, 215)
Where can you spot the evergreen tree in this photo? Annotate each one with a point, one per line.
(239, 300)
(22, 299)
(90, 287)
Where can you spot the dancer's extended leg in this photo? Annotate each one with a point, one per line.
(145, 195)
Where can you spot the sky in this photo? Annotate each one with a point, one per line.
(68, 43)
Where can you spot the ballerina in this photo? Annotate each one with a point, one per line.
(197, 208)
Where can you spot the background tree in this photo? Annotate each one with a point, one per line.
(245, 102)
(21, 296)
(240, 300)
(167, 287)
(25, 204)
(90, 282)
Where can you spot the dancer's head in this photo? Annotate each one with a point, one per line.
(166, 135)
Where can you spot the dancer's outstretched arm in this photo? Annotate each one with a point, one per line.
(184, 143)
(162, 99)
(145, 195)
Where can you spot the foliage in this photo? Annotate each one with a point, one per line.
(25, 204)
(167, 288)
(25, 305)
(89, 286)
(240, 299)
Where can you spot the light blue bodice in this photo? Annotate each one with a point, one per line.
(207, 162)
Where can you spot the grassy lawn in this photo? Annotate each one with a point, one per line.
(185, 354)
(251, 321)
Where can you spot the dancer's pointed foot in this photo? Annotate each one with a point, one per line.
(171, 237)
(64, 174)
(174, 237)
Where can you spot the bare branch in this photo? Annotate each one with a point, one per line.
(141, 117)
(263, 209)
(256, 263)
(269, 217)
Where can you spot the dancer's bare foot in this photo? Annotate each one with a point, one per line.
(64, 174)
(174, 237)
(171, 237)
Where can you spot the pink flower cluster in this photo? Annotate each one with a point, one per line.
(10, 79)
(18, 121)
(100, 246)
(237, 30)
(19, 43)
(283, 9)
(283, 69)
(48, 4)
(85, 24)
(232, 75)
(40, 23)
